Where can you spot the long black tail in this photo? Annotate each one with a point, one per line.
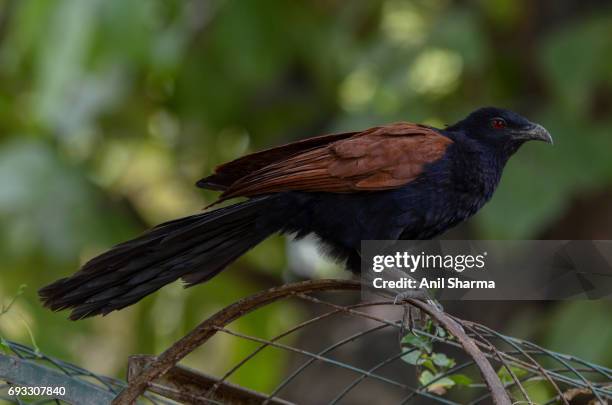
(194, 248)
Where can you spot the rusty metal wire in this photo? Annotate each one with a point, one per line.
(524, 363)
(481, 353)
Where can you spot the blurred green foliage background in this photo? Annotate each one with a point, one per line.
(111, 110)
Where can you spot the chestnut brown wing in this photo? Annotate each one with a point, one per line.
(376, 159)
(226, 174)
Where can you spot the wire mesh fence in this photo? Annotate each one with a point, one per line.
(428, 362)
(23, 367)
(339, 351)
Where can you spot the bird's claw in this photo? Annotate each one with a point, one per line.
(410, 294)
(413, 314)
(436, 304)
(407, 318)
(422, 295)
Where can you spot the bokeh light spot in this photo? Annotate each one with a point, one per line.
(357, 91)
(403, 24)
(435, 72)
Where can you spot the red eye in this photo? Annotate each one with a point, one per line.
(498, 123)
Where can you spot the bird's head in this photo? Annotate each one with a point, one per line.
(501, 128)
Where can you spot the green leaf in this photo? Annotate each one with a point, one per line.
(440, 386)
(441, 360)
(420, 342)
(505, 376)
(429, 364)
(413, 357)
(440, 331)
(461, 379)
(426, 377)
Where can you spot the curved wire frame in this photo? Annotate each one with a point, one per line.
(524, 362)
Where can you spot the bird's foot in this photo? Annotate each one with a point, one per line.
(422, 295)
(414, 316)
(410, 294)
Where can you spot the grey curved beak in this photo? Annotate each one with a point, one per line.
(535, 133)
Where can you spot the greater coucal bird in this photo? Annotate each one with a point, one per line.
(397, 181)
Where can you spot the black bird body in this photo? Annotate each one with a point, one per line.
(401, 181)
(449, 191)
